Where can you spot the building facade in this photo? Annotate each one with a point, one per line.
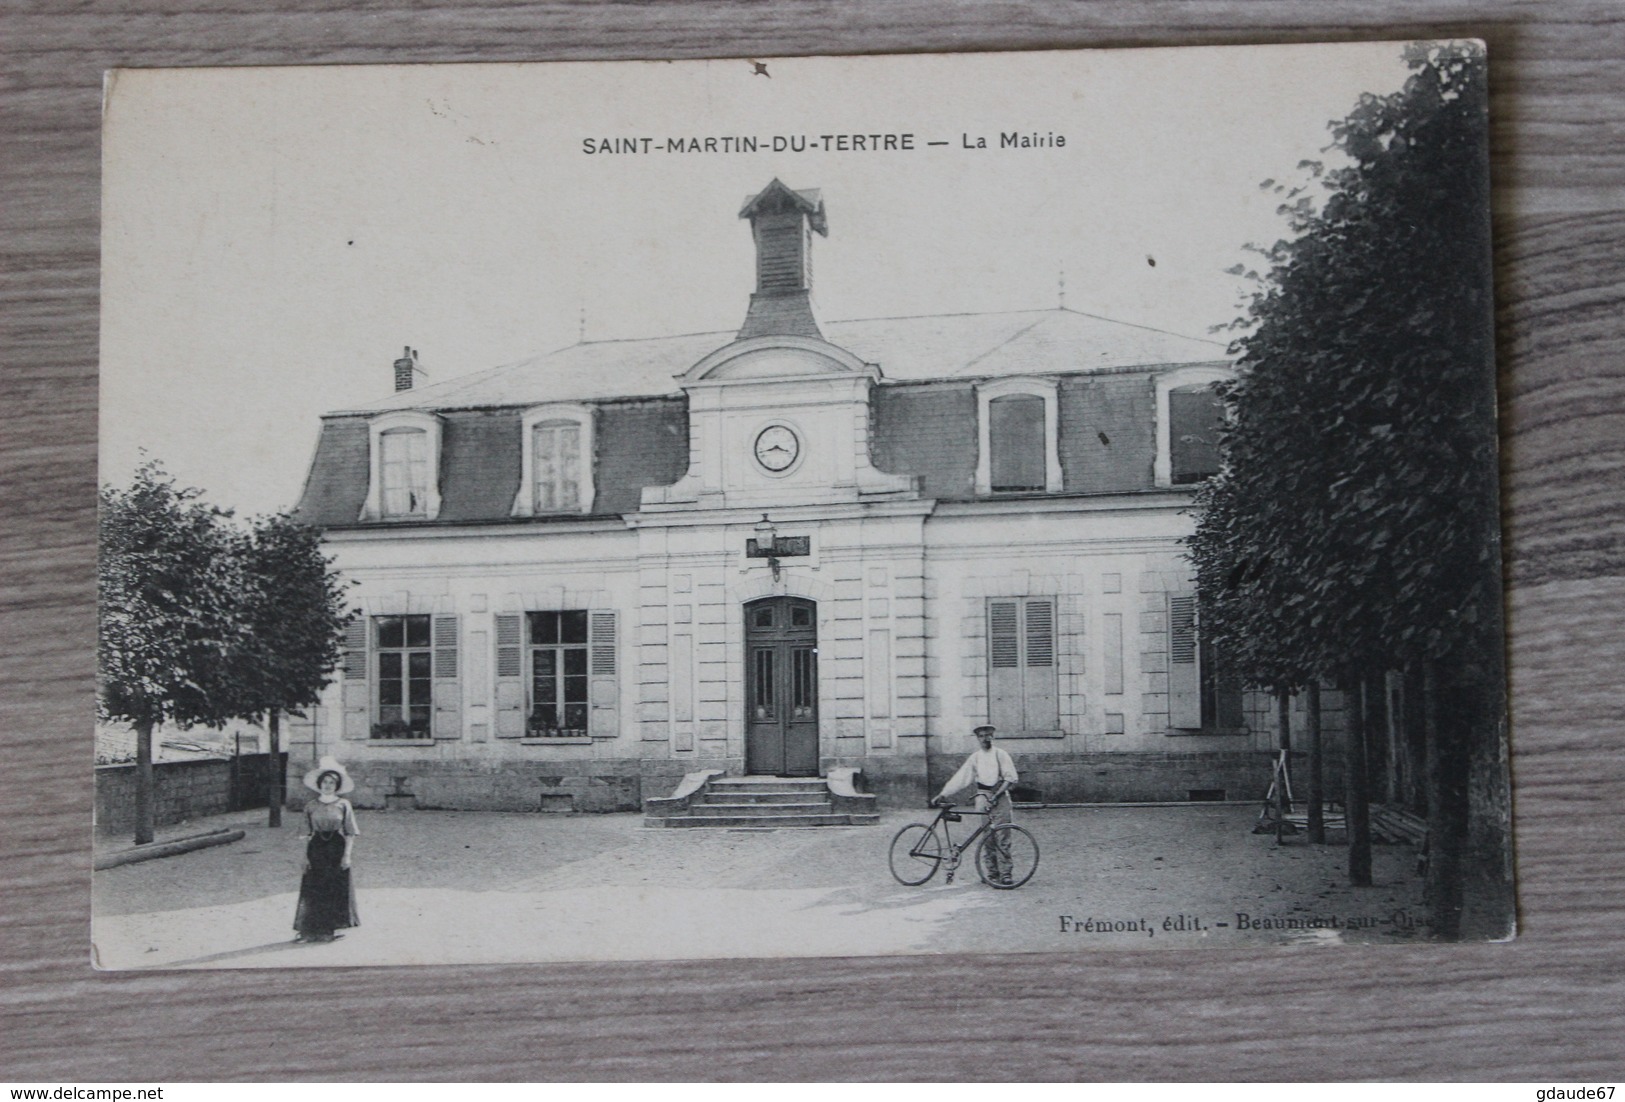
(793, 548)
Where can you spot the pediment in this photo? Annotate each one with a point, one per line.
(760, 359)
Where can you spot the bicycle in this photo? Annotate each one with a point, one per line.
(919, 848)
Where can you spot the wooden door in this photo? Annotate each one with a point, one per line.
(781, 687)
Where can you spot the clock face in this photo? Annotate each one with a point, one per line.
(777, 448)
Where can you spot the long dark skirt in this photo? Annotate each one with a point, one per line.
(326, 893)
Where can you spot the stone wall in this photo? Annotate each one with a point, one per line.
(468, 785)
(899, 781)
(1131, 776)
(183, 790)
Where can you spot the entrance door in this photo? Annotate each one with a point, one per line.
(781, 687)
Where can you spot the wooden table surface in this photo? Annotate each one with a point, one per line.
(1549, 1007)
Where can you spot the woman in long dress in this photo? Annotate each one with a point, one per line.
(326, 892)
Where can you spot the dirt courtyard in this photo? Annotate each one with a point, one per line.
(480, 887)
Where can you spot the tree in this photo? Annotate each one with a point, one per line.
(167, 583)
(1354, 527)
(292, 607)
(202, 622)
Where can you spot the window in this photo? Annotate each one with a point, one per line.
(404, 455)
(1221, 695)
(400, 678)
(405, 700)
(1200, 696)
(558, 674)
(1195, 415)
(1189, 415)
(1021, 665)
(557, 463)
(404, 478)
(556, 466)
(1018, 436)
(1016, 439)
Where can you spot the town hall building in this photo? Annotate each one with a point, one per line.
(799, 548)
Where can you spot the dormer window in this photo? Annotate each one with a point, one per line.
(1189, 416)
(556, 456)
(1016, 441)
(1018, 437)
(404, 454)
(556, 469)
(1194, 417)
(404, 481)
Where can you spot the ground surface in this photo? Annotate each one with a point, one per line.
(474, 887)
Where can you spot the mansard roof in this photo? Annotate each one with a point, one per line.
(911, 349)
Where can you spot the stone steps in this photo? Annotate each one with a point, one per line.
(762, 799)
(736, 786)
(766, 810)
(762, 822)
(712, 800)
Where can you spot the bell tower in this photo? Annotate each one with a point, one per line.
(783, 221)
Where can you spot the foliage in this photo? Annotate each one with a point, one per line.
(167, 584)
(201, 622)
(293, 608)
(1355, 517)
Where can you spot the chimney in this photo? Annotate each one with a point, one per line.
(405, 368)
(783, 221)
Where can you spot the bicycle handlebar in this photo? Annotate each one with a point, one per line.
(992, 798)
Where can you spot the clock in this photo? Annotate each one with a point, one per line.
(777, 448)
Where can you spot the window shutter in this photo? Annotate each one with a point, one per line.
(1004, 665)
(510, 679)
(1041, 705)
(1184, 671)
(604, 686)
(355, 649)
(448, 689)
(1040, 633)
(1003, 642)
(357, 688)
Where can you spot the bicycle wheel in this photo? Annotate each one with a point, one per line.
(916, 852)
(1023, 850)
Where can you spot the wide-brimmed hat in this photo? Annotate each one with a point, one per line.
(984, 729)
(329, 765)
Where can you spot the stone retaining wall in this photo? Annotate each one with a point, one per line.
(623, 784)
(559, 786)
(183, 790)
(1129, 777)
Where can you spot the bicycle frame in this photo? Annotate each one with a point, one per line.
(919, 849)
(942, 821)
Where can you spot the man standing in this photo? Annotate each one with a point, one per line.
(992, 771)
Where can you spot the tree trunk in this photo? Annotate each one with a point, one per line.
(1317, 789)
(1357, 781)
(1446, 781)
(273, 777)
(1416, 739)
(143, 783)
(1488, 904)
(1393, 706)
(1374, 714)
(1283, 799)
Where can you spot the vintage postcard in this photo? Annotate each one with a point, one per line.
(1027, 502)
